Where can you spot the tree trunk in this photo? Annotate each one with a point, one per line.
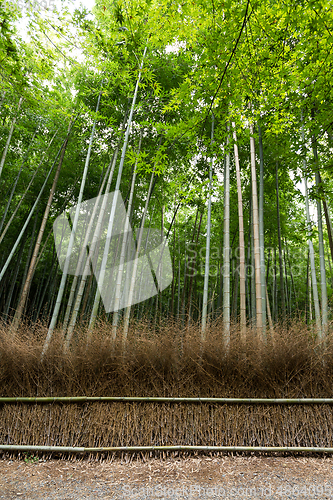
(283, 302)
(71, 240)
(83, 264)
(124, 250)
(13, 277)
(112, 214)
(253, 276)
(194, 272)
(242, 290)
(275, 298)
(28, 187)
(226, 249)
(135, 262)
(259, 322)
(323, 285)
(327, 218)
(31, 271)
(206, 278)
(329, 227)
(313, 277)
(27, 221)
(261, 232)
(16, 181)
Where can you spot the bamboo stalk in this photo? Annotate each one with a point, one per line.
(259, 323)
(323, 284)
(313, 276)
(3, 270)
(261, 233)
(72, 236)
(206, 278)
(17, 179)
(124, 247)
(84, 259)
(135, 262)
(114, 204)
(241, 239)
(32, 267)
(283, 301)
(28, 187)
(134, 449)
(226, 247)
(162, 400)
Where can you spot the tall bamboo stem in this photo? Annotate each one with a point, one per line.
(323, 285)
(226, 248)
(206, 278)
(123, 249)
(32, 266)
(241, 240)
(72, 238)
(283, 301)
(256, 242)
(261, 232)
(115, 198)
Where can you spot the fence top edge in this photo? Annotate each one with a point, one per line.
(151, 399)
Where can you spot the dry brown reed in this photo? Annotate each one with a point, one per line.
(168, 361)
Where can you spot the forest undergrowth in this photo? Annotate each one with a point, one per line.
(168, 361)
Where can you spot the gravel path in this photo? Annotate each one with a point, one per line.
(176, 479)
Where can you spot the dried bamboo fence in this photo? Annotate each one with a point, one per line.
(160, 435)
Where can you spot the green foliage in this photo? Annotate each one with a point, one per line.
(259, 62)
(30, 458)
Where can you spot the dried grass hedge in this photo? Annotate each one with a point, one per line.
(169, 361)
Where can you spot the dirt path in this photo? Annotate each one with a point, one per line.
(181, 479)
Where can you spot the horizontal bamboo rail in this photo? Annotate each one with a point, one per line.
(134, 399)
(133, 449)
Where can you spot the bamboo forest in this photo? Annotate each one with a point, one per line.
(213, 120)
(166, 204)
